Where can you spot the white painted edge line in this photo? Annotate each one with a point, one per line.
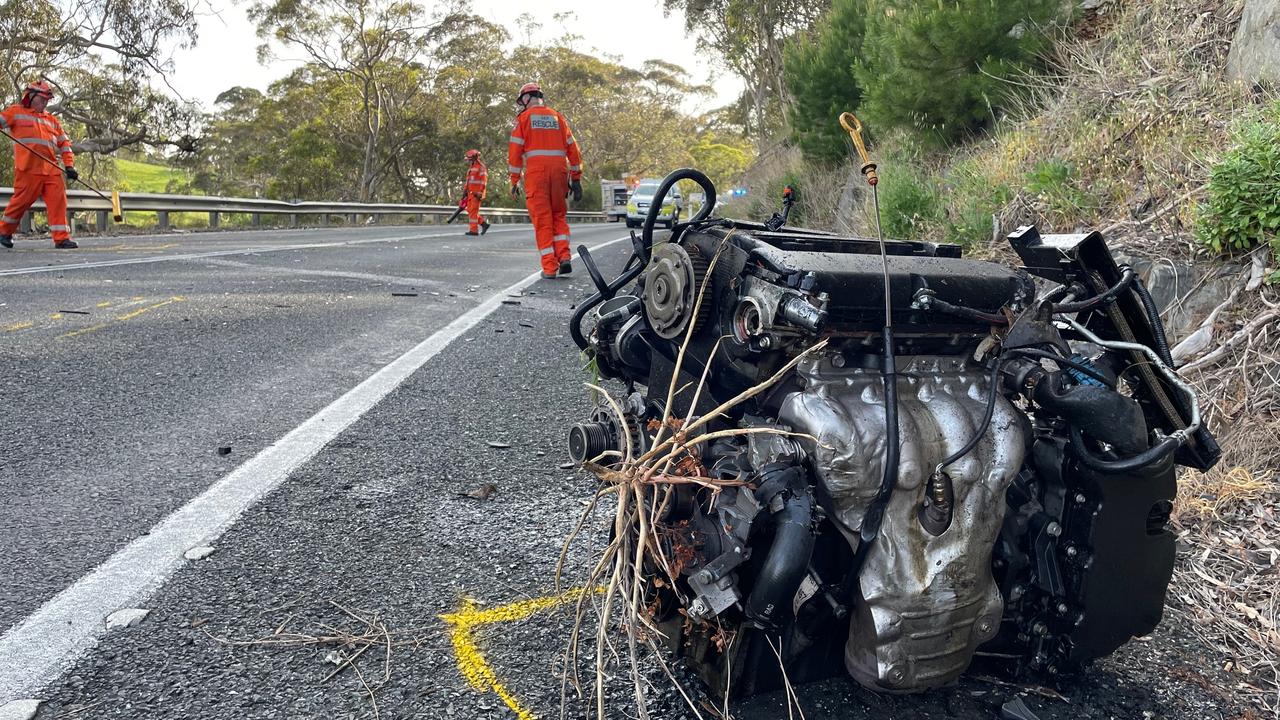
(41, 647)
(253, 250)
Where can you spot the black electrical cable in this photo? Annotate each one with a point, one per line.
(1151, 456)
(992, 395)
(1091, 372)
(1126, 279)
(1153, 318)
(966, 312)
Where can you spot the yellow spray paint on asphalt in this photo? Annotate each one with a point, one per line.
(123, 318)
(471, 660)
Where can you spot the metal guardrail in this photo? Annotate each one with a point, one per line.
(163, 205)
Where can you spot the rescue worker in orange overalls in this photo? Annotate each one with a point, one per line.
(36, 173)
(475, 188)
(543, 148)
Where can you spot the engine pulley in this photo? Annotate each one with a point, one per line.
(671, 289)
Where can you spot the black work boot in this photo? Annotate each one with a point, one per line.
(66, 245)
(6, 241)
(470, 233)
(566, 267)
(484, 227)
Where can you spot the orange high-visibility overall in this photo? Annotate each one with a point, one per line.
(476, 187)
(543, 147)
(37, 133)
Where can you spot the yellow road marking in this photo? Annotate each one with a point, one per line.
(15, 327)
(471, 661)
(104, 303)
(123, 318)
(56, 316)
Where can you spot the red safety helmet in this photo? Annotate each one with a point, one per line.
(530, 88)
(39, 87)
(472, 155)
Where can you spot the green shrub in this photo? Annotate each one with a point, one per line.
(820, 77)
(940, 68)
(972, 200)
(1057, 184)
(1242, 210)
(909, 202)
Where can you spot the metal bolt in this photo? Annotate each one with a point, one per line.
(698, 608)
(838, 361)
(704, 576)
(897, 675)
(765, 342)
(1062, 608)
(1072, 551)
(1040, 629)
(1081, 499)
(1016, 592)
(1053, 529)
(984, 627)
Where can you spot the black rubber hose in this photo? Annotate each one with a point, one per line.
(992, 397)
(1126, 279)
(655, 208)
(1153, 317)
(629, 273)
(1147, 457)
(788, 558)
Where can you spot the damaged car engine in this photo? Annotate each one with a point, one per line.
(956, 461)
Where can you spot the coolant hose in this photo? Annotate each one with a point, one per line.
(1153, 318)
(1150, 456)
(659, 195)
(788, 559)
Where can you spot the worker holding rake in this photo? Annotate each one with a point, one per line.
(38, 141)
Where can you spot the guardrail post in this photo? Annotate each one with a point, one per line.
(162, 219)
(293, 220)
(100, 221)
(353, 218)
(24, 225)
(256, 219)
(422, 219)
(215, 219)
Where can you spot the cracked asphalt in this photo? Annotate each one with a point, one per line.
(118, 417)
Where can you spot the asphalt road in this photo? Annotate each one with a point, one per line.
(365, 581)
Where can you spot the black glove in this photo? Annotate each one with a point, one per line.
(72, 174)
(515, 191)
(575, 188)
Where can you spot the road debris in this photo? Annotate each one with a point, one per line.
(19, 709)
(126, 618)
(481, 493)
(198, 553)
(224, 450)
(498, 444)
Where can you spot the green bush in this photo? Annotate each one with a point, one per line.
(940, 68)
(1057, 184)
(820, 77)
(1242, 210)
(972, 200)
(909, 201)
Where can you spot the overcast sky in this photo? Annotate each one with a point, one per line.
(635, 31)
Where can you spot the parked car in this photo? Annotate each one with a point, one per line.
(638, 204)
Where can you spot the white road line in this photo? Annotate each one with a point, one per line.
(242, 251)
(41, 647)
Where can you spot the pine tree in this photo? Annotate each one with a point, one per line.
(941, 67)
(820, 76)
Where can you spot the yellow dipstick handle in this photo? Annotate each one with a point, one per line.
(853, 126)
(116, 213)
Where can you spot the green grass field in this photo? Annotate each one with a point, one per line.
(145, 177)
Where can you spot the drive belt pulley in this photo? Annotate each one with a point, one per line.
(671, 285)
